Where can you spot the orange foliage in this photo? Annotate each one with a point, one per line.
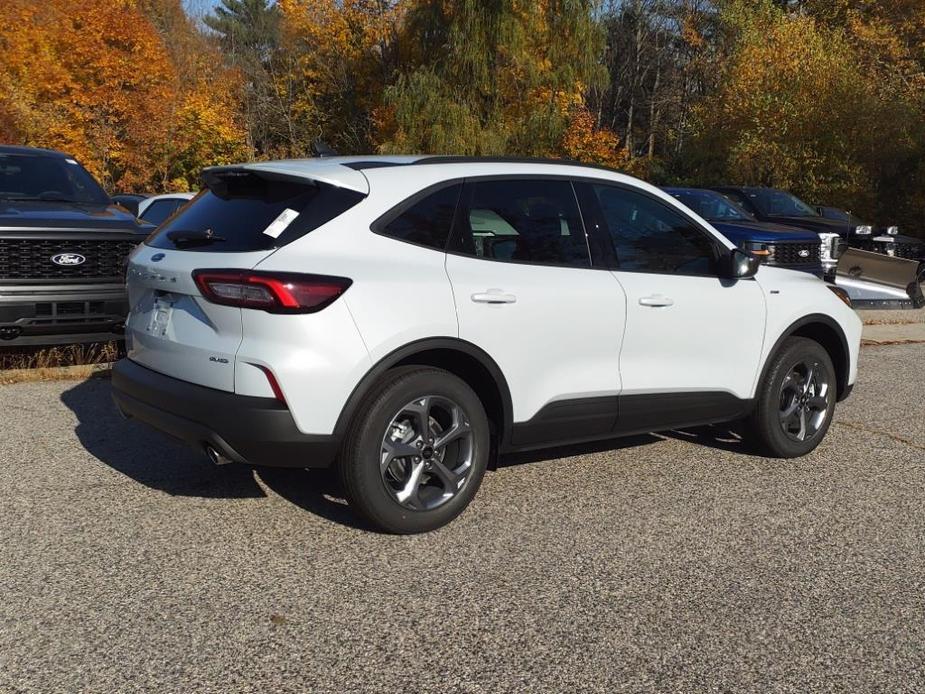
(584, 142)
(95, 80)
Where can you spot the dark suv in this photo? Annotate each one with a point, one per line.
(63, 248)
(775, 244)
(781, 207)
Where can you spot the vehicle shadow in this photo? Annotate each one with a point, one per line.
(316, 491)
(527, 457)
(158, 462)
(146, 456)
(730, 437)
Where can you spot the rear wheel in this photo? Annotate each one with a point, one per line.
(796, 400)
(416, 452)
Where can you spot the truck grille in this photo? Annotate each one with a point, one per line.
(30, 259)
(795, 253)
(910, 251)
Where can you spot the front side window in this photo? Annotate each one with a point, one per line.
(426, 222)
(525, 221)
(645, 234)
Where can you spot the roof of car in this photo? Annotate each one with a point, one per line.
(744, 188)
(170, 196)
(685, 189)
(347, 172)
(38, 151)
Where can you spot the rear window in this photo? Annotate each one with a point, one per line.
(243, 211)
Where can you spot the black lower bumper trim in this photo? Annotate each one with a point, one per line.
(255, 431)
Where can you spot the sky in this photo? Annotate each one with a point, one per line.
(197, 8)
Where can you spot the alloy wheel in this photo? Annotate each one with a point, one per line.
(427, 453)
(804, 400)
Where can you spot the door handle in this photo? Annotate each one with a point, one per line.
(656, 300)
(493, 296)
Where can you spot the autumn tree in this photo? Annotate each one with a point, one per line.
(344, 56)
(505, 77)
(97, 80)
(661, 58)
(793, 110)
(249, 35)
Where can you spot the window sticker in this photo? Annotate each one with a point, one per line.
(281, 223)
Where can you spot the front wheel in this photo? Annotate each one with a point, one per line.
(795, 400)
(416, 452)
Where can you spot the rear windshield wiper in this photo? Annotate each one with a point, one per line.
(194, 237)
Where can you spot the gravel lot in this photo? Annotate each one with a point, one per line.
(675, 563)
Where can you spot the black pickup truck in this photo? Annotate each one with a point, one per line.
(63, 246)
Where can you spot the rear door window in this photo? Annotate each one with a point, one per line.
(522, 221)
(243, 212)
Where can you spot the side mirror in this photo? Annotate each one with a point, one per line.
(739, 265)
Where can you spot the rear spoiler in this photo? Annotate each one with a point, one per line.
(874, 280)
(305, 171)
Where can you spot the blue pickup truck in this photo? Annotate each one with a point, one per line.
(776, 244)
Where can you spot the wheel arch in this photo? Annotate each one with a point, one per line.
(463, 359)
(828, 333)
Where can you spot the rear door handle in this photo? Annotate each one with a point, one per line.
(493, 296)
(656, 300)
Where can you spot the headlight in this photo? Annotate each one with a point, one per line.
(762, 250)
(864, 230)
(832, 246)
(841, 294)
(892, 231)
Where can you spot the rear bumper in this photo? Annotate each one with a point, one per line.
(244, 429)
(52, 315)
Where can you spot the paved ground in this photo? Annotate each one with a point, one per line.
(893, 327)
(127, 563)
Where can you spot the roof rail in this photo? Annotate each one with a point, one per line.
(457, 159)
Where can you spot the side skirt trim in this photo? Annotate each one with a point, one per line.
(594, 419)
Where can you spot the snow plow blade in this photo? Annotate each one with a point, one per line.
(874, 280)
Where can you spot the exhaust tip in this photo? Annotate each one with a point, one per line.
(216, 457)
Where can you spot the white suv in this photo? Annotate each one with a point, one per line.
(409, 318)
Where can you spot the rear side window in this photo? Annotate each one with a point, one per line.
(243, 211)
(427, 221)
(525, 221)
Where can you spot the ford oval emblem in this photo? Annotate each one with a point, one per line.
(157, 257)
(68, 259)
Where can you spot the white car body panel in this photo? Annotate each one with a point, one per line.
(708, 336)
(560, 337)
(571, 333)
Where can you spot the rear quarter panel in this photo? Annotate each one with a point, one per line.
(400, 294)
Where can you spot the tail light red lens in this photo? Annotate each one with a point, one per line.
(270, 291)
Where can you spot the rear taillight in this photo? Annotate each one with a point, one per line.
(270, 291)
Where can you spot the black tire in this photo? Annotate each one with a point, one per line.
(367, 486)
(780, 438)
